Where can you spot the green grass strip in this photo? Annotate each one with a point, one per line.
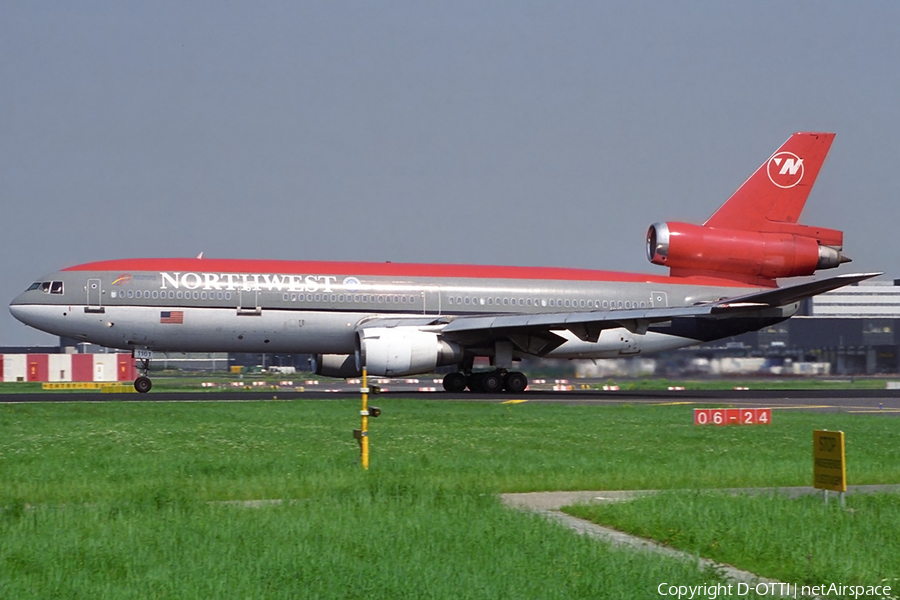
(794, 540)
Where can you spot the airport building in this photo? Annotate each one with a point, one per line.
(854, 329)
(54, 367)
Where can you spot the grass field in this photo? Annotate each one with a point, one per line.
(115, 500)
(796, 540)
(172, 380)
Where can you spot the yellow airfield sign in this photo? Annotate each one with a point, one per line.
(829, 464)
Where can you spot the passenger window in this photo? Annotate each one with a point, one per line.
(505, 301)
(155, 295)
(467, 299)
(341, 298)
(131, 293)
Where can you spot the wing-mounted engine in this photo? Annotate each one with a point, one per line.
(398, 351)
(755, 237)
(391, 352)
(750, 256)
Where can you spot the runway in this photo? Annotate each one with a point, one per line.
(884, 402)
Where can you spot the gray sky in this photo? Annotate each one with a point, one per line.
(518, 133)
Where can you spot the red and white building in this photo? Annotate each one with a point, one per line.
(66, 367)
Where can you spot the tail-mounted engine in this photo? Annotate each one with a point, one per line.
(752, 256)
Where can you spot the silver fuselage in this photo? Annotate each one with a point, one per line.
(296, 307)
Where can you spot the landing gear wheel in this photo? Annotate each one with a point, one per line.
(516, 382)
(454, 382)
(143, 384)
(491, 382)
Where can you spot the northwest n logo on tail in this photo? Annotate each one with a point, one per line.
(758, 205)
(785, 169)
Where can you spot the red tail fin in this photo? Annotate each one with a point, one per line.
(755, 237)
(775, 194)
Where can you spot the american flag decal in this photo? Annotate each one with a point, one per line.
(171, 316)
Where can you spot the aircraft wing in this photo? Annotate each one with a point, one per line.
(789, 295)
(534, 333)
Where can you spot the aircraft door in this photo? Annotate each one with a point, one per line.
(432, 300)
(248, 302)
(94, 296)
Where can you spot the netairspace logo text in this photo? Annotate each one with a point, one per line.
(775, 590)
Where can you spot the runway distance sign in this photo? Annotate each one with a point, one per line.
(732, 416)
(829, 464)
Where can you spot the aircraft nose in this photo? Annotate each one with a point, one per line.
(19, 311)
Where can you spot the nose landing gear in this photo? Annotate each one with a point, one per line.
(143, 384)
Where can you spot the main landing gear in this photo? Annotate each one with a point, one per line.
(143, 384)
(490, 382)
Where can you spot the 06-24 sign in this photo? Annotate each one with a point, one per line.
(732, 416)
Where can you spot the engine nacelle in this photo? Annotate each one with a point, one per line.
(336, 365)
(398, 351)
(747, 255)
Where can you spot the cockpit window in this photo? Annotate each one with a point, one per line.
(48, 287)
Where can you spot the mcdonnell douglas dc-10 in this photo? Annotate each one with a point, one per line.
(405, 319)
